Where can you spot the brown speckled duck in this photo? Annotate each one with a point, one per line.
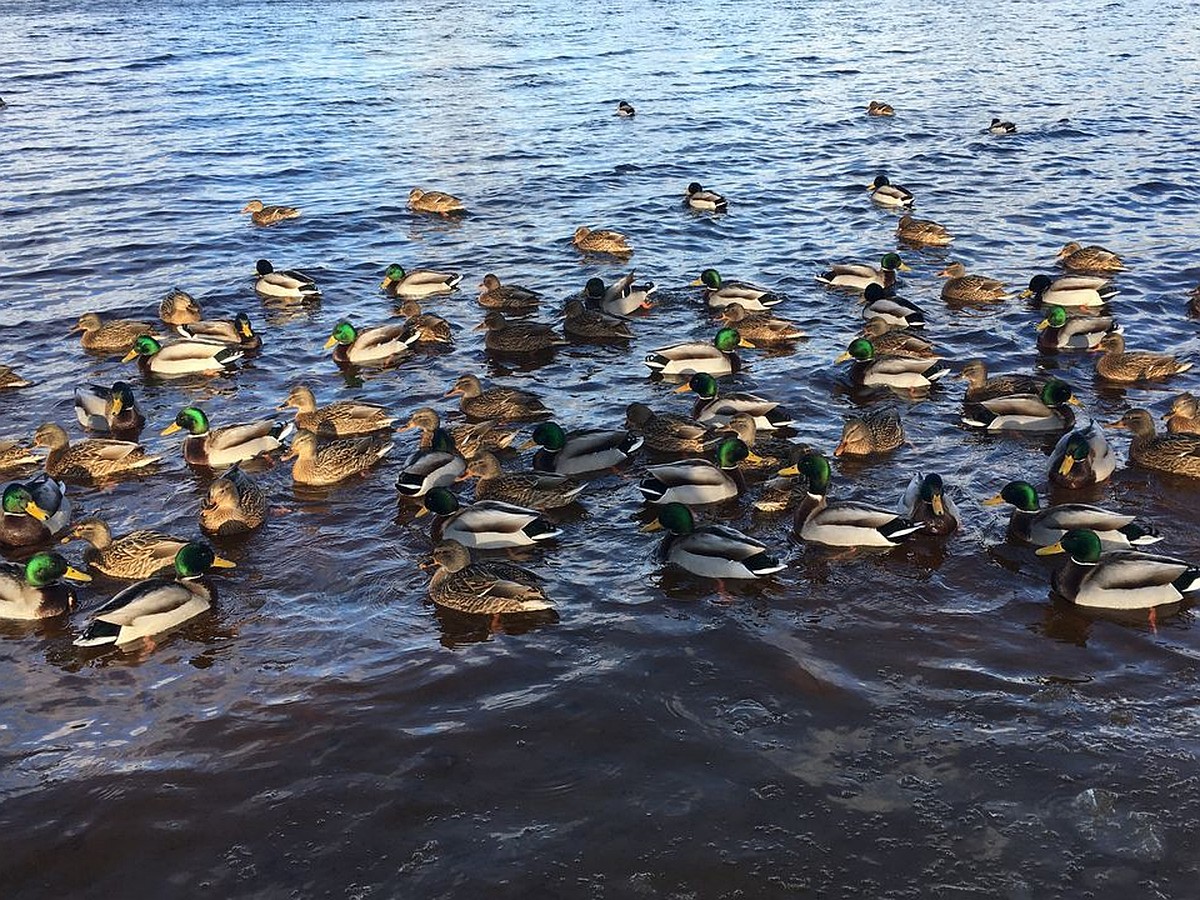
(269, 215)
(511, 297)
(92, 460)
(890, 340)
(1076, 258)
(1176, 453)
(1118, 364)
(113, 336)
(879, 108)
(922, 232)
(1184, 417)
(601, 241)
(434, 202)
(504, 403)
(344, 418)
(759, 328)
(980, 387)
(875, 431)
(234, 505)
(964, 288)
(504, 336)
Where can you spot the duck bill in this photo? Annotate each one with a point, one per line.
(651, 527)
(696, 283)
(130, 356)
(1026, 294)
(837, 451)
(1068, 464)
(843, 358)
(993, 501)
(745, 343)
(453, 392)
(904, 267)
(482, 326)
(421, 512)
(1043, 325)
(36, 511)
(945, 273)
(75, 575)
(1120, 423)
(791, 470)
(291, 453)
(170, 429)
(329, 343)
(754, 459)
(682, 389)
(221, 563)
(249, 207)
(1051, 550)
(939, 507)
(528, 445)
(1074, 401)
(385, 284)
(117, 405)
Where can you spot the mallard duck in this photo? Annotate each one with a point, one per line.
(491, 588)
(92, 460)
(767, 452)
(440, 465)
(1046, 409)
(504, 336)
(964, 288)
(1176, 453)
(33, 590)
(844, 524)
(536, 490)
(1194, 301)
(885, 193)
(891, 341)
(1082, 457)
(139, 554)
(504, 403)
(179, 308)
(877, 304)
(625, 110)
(378, 345)
(1030, 524)
(234, 504)
(875, 431)
(620, 298)
(710, 551)
(418, 283)
(587, 450)
(601, 241)
(158, 604)
(511, 297)
(434, 202)
(216, 448)
(925, 500)
(269, 215)
(288, 284)
(690, 357)
(856, 276)
(999, 127)
(896, 372)
(782, 492)
(468, 437)
(345, 418)
(181, 357)
(879, 108)
(33, 511)
(759, 328)
(666, 432)
(1117, 364)
(485, 524)
(1058, 331)
(705, 201)
(235, 332)
(716, 409)
(328, 462)
(698, 481)
(108, 410)
(10, 380)
(1070, 290)
(1076, 258)
(593, 324)
(922, 232)
(1118, 579)
(113, 336)
(14, 455)
(428, 328)
(981, 387)
(1184, 417)
(719, 293)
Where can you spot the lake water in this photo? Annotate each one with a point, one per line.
(926, 723)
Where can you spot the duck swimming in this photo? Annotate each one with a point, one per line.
(269, 215)
(711, 551)
(1031, 524)
(885, 193)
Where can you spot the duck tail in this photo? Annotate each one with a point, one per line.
(541, 530)
(936, 371)
(900, 529)
(1140, 535)
(98, 634)
(1189, 581)
(976, 415)
(764, 564)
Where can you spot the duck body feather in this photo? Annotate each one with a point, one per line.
(145, 609)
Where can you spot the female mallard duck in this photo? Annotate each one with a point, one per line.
(666, 432)
(92, 460)
(33, 511)
(469, 437)
(856, 276)
(719, 293)
(895, 372)
(964, 288)
(10, 380)
(269, 215)
(716, 409)
(759, 328)
(326, 463)
(234, 504)
(181, 357)
(891, 341)
(625, 110)
(434, 202)
(510, 297)
(535, 490)
(980, 387)
(601, 241)
(1117, 364)
(873, 432)
(504, 403)
(879, 108)
(440, 465)
(428, 328)
(593, 324)
(1001, 127)
(109, 410)
(691, 357)
(710, 551)
(235, 332)
(892, 310)
(217, 448)
(517, 337)
(588, 450)
(697, 481)
(885, 193)
(1029, 524)
(1184, 417)
(156, 605)
(491, 588)
(1048, 409)
(287, 284)
(14, 455)
(139, 554)
(704, 201)
(32, 590)
(378, 345)
(485, 524)
(922, 232)
(1178, 454)
(1077, 258)
(767, 453)
(620, 298)
(179, 308)
(1118, 579)
(113, 336)
(1058, 331)
(1082, 458)
(925, 501)
(418, 283)
(1070, 290)
(345, 418)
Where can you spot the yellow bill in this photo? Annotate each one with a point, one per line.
(170, 429)
(1051, 550)
(75, 575)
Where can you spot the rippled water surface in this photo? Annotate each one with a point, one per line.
(926, 723)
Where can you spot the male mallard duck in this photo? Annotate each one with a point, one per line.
(92, 460)
(216, 448)
(1042, 527)
(14, 455)
(588, 450)
(1044, 408)
(999, 127)
(1184, 417)
(666, 432)
(593, 324)
(10, 380)
(434, 202)
(179, 308)
(32, 590)
(625, 110)
(1070, 290)
(716, 409)
(34, 511)
(710, 551)
(418, 283)
(234, 504)
(698, 481)
(1178, 454)
(1077, 258)
(1081, 458)
(511, 297)
(922, 232)
(885, 193)
(1118, 579)
(879, 108)
(485, 524)
(1058, 331)
(875, 431)
(620, 298)
(601, 241)
(378, 345)
(891, 341)
(705, 201)
(719, 293)
(535, 490)
(925, 501)
(690, 357)
(344, 418)
(288, 284)
(856, 276)
(181, 357)
(269, 215)
(877, 304)
(139, 554)
(235, 332)
(1117, 364)
(158, 604)
(428, 328)
(759, 328)
(329, 462)
(504, 336)
(964, 288)
(896, 372)
(439, 465)
(491, 588)
(113, 336)
(980, 387)
(767, 453)
(109, 410)
(504, 403)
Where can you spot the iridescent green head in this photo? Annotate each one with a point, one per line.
(145, 345)
(550, 435)
(194, 559)
(1057, 393)
(442, 441)
(441, 502)
(676, 518)
(1056, 317)
(1020, 494)
(394, 272)
(1082, 545)
(815, 468)
(43, 569)
(19, 502)
(711, 279)
(1077, 447)
(121, 397)
(891, 261)
(860, 349)
(244, 328)
(343, 333)
(932, 486)
(727, 340)
(704, 384)
(190, 419)
(730, 452)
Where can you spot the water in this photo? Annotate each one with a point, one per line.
(925, 722)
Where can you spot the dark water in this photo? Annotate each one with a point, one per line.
(922, 724)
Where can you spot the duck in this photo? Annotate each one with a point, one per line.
(10, 380)
(113, 336)
(856, 276)
(877, 304)
(891, 341)
(760, 329)
(1074, 257)
(485, 524)
(286, 284)
(625, 110)
(782, 492)
(885, 193)
(1082, 457)
(710, 551)
(505, 403)
(1176, 453)
(345, 418)
(1045, 409)
(622, 297)
(1193, 302)
(980, 387)
(666, 432)
(601, 241)
(1118, 579)
(109, 410)
(593, 324)
(156, 605)
(34, 590)
(580, 452)
(139, 554)
(428, 328)
(999, 127)
(879, 108)
(1117, 364)
(419, 283)
(535, 490)
(690, 357)
(491, 588)
(91, 460)
(217, 448)
(33, 511)
(873, 432)
(896, 372)
(697, 482)
(508, 297)
(269, 215)
(181, 358)
(468, 437)
(434, 202)
(964, 288)
(503, 336)
(925, 500)
(378, 345)
(1184, 417)
(704, 201)
(768, 452)
(179, 307)
(1070, 290)
(14, 455)
(235, 332)
(922, 232)
(1058, 331)
(1030, 524)
(438, 465)
(714, 408)
(234, 504)
(328, 462)
(719, 293)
